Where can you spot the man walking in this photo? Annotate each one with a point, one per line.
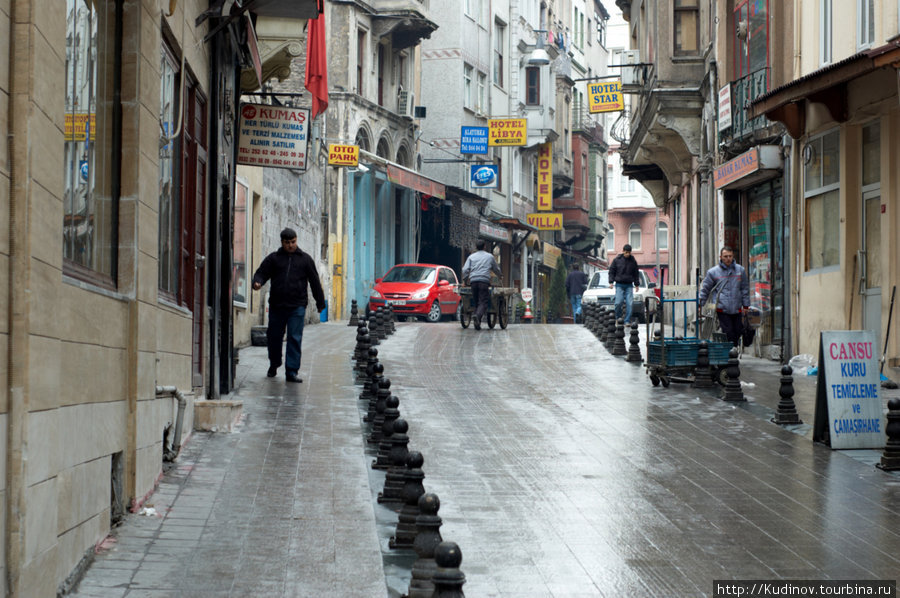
(576, 283)
(477, 270)
(729, 288)
(624, 276)
(290, 270)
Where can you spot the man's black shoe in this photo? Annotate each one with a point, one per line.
(272, 371)
(477, 322)
(293, 378)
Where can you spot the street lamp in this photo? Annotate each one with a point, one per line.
(539, 56)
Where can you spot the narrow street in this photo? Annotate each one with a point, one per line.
(561, 472)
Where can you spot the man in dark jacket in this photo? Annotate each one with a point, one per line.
(624, 276)
(576, 283)
(290, 270)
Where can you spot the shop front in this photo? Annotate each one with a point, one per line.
(751, 222)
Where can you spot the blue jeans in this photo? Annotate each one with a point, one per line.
(576, 305)
(624, 293)
(281, 318)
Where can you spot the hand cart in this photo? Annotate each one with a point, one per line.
(672, 357)
(498, 306)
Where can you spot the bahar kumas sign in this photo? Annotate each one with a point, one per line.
(274, 136)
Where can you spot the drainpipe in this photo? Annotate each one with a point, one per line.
(162, 391)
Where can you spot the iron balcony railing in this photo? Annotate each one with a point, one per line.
(743, 92)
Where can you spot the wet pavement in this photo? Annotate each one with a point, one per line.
(561, 472)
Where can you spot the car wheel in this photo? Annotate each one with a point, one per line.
(434, 314)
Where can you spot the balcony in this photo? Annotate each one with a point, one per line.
(588, 125)
(743, 92)
(405, 22)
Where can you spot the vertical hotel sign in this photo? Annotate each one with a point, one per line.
(545, 178)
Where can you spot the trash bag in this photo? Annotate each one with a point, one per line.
(748, 335)
(801, 363)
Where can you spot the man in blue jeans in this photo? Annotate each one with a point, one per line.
(290, 270)
(624, 275)
(576, 283)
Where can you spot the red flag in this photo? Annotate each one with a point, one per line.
(316, 63)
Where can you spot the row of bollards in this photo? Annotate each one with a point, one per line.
(602, 323)
(435, 572)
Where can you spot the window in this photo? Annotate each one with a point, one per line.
(532, 86)
(468, 92)
(821, 176)
(92, 140)
(687, 27)
(241, 243)
(865, 19)
(601, 33)
(169, 174)
(499, 44)
(611, 240)
(481, 106)
(634, 236)
(498, 160)
(360, 59)
(751, 35)
(825, 33)
(662, 237)
(578, 32)
(380, 74)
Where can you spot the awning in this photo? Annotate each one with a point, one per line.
(514, 223)
(403, 176)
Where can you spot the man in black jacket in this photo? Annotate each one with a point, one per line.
(290, 270)
(624, 275)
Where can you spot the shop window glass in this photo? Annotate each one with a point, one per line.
(822, 230)
(91, 139)
(241, 244)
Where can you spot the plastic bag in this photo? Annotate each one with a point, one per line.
(801, 363)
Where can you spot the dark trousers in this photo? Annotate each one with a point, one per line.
(281, 319)
(481, 296)
(732, 325)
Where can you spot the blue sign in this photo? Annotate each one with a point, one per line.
(484, 176)
(473, 140)
(84, 170)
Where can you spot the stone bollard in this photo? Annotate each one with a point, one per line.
(394, 479)
(428, 536)
(377, 402)
(392, 326)
(702, 375)
(600, 324)
(386, 442)
(354, 313)
(448, 580)
(370, 388)
(413, 489)
(787, 411)
(619, 347)
(373, 329)
(610, 331)
(365, 368)
(890, 459)
(361, 351)
(386, 411)
(733, 390)
(634, 345)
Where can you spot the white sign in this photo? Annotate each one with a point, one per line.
(274, 136)
(725, 107)
(526, 295)
(849, 413)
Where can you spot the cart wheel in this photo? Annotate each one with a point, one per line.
(465, 318)
(654, 379)
(502, 313)
(665, 381)
(722, 375)
(491, 320)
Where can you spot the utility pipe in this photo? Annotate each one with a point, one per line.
(179, 420)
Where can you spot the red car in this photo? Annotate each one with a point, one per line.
(419, 290)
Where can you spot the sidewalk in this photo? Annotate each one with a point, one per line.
(561, 471)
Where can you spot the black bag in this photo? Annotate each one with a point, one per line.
(749, 333)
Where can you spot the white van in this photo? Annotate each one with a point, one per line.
(599, 291)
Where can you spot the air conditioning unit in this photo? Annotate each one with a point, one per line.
(632, 76)
(406, 101)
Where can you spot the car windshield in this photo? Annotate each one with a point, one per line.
(599, 280)
(421, 274)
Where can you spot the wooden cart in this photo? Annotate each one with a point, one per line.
(498, 306)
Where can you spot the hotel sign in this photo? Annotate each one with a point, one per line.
(605, 97)
(507, 131)
(545, 178)
(545, 220)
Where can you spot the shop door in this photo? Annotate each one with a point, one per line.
(870, 263)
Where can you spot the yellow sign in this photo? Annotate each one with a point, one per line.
(343, 155)
(77, 125)
(545, 220)
(552, 255)
(507, 131)
(545, 177)
(605, 96)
